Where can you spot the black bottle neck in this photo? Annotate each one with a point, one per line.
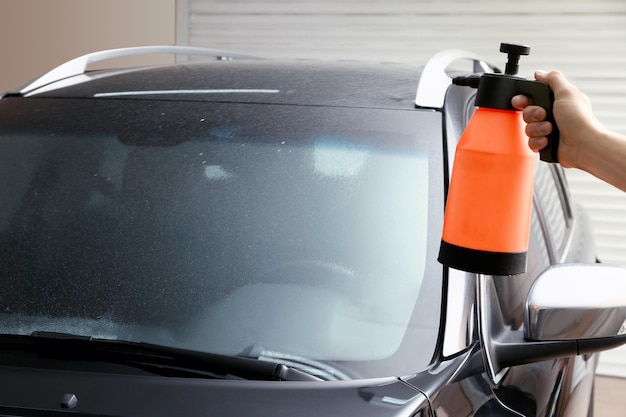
(495, 91)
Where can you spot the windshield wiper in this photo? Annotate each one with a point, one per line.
(157, 359)
(309, 366)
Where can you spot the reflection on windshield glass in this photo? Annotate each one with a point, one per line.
(335, 159)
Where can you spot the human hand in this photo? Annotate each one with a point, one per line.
(572, 113)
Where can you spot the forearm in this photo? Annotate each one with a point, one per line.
(604, 156)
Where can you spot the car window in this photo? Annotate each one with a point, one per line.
(554, 207)
(307, 231)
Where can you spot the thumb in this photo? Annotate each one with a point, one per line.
(555, 80)
(542, 76)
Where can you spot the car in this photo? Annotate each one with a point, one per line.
(231, 235)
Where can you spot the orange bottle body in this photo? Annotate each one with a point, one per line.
(489, 203)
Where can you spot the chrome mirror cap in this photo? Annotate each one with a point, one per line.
(577, 301)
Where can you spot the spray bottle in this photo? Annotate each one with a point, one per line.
(488, 209)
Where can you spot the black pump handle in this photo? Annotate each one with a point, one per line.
(542, 96)
(513, 52)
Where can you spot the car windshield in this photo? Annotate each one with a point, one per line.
(224, 227)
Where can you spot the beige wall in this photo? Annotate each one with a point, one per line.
(36, 35)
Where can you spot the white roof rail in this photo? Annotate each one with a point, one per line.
(434, 82)
(78, 66)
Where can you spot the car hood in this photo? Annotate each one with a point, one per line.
(137, 395)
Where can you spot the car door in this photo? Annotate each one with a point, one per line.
(559, 233)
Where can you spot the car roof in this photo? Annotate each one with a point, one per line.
(291, 82)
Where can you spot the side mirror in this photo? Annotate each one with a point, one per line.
(571, 309)
(576, 302)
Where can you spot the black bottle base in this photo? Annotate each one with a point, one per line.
(482, 262)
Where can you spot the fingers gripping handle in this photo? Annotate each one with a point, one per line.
(542, 96)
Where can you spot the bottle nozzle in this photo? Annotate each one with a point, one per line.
(513, 52)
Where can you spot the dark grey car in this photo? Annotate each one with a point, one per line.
(255, 237)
